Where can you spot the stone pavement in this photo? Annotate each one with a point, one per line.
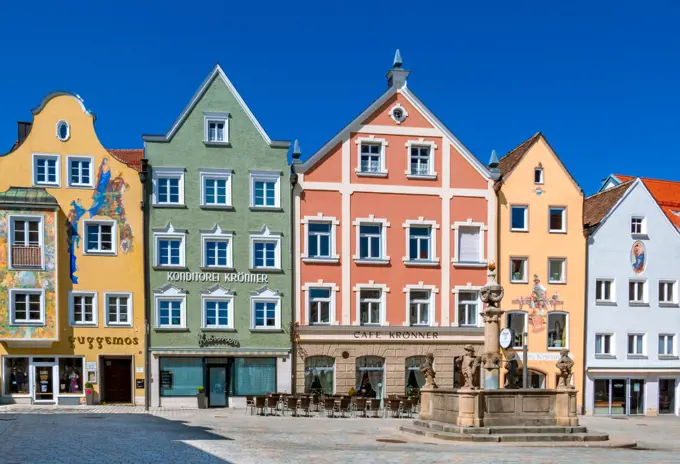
(118, 434)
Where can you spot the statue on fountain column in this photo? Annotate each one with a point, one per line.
(565, 364)
(470, 365)
(492, 293)
(511, 371)
(428, 369)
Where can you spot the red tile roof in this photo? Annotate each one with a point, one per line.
(131, 157)
(596, 207)
(511, 159)
(665, 192)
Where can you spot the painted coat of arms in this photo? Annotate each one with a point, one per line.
(539, 305)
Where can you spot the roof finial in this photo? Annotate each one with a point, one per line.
(493, 166)
(296, 150)
(398, 62)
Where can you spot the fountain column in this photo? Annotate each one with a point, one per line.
(492, 294)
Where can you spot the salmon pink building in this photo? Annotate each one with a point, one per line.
(396, 227)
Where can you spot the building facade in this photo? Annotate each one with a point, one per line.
(542, 259)
(71, 263)
(395, 227)
(219, 241)
(632, 364)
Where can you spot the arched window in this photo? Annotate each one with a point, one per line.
(370, 376)
(536, 379)
(517, 322)
(63, 131)
(320, 375)
(415, 380)
(558, 330)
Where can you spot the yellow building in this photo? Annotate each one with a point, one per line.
(71, 263)
(542, 259)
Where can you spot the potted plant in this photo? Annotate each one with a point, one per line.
(89, 393)
(202, 399)
(352, 392)
(516, 276)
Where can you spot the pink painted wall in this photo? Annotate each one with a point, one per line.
(329, 169)
(463, 174)
(382, 116)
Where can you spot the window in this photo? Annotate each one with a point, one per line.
(216, 131)
(517, 323)
(603, 345)
(71, 375)
(558, 221)
(419, 303)
(604, 290)
(518, 270)
(370, 238)
(637, 225)
(538, 175)
(264, 190)
(27, 306)
(253, 376)
(216, 252)
(636, 344)
(420, 242)
(180, 376)
(16, 376)
(216, 313)
(469, 244)
(319, 240)
(667, 292)
(80, 172)
(371, 154)
(320, 306)
(265, 254)
(519, 218)
(666, 345)
(118, 309)
(63, 131)
(83, 308)
(415, 379)
(170, 313)
(99, 237)
(170, 247)
(216, 128)
(215, 188)
(319, 375)
(168, 186)
(637, 291)
(265, 314)
(420, 161)
(468, 308)
(370, 302)
(556, 270)
(558, 330)
(46, 170)
(26, 239)
(370, 376)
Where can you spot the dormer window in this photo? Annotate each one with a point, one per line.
(538, 175)
(216, 128)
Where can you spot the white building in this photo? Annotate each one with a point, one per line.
(632, 317)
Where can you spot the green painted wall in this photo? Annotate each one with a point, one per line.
(248, 151)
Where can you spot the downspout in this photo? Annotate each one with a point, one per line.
(587, 233)
(293, 256)
(143, 177)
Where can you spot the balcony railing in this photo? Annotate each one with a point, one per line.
(26, 256)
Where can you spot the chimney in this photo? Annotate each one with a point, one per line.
(24, 130)
(396, 77)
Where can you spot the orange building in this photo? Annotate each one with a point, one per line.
(396, 226)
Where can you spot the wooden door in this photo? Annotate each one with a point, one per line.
(117, 380)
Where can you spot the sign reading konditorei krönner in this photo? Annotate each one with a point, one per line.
(232, 277)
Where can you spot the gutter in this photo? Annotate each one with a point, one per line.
(293, 293)
(144, 178)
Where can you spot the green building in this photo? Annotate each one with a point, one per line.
(219, 230)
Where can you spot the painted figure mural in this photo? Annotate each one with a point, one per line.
(107, 200)
(638, 257)
(539, 303)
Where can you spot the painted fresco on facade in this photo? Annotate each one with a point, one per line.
(32, 279)
(638, 257)
(107, 200)
(539, 305)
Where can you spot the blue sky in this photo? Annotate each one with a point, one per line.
(599, 79)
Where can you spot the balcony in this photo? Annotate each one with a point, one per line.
(26, 257)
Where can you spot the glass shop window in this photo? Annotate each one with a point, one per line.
(181, 376)
(71, 375)
(15, 376)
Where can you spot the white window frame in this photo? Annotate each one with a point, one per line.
(644, 344)
(266, 236)
(69, 181)
(371, 285)
(420, 143)
(565, 328)
(320, 218)
(432, 310)
(169, 233)
(216, 174)
(372, 140)
(665, 336)
(645, 293)
(170, 293)
(563, 230)
(168, 173)
(109, 295)
(526, 218)
(525, 329)
(612, 346)
(482, 262)
(265, 295)
(11, 219)
(307, 288)
(265, 176)
(643, 226)
(217, 293)
(371, 221)
(421, 222)
(216, 118)
(674, 289)
(456, 300)
(72, 311)
(68, 130)
(541, 181)
(114, 237)
(612, 291)
(34, 169)
(563, 280)
(13, 321)
(525, 279)
(214, 235)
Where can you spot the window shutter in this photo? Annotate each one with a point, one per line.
(468, 244)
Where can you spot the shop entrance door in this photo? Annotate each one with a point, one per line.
(217, 386)
(43, 382)
(666, 396)
(117, 380)
(637, 396)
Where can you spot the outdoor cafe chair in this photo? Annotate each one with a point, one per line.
(360, 406)
(329, 406)
(292, 405)
(344, 405)
(407, 408)
(272, 404)
(250, 403)
(260, 404)
(395, 408)
(305, 403)
(374, 406)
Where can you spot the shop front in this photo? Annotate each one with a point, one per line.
(632, 394)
